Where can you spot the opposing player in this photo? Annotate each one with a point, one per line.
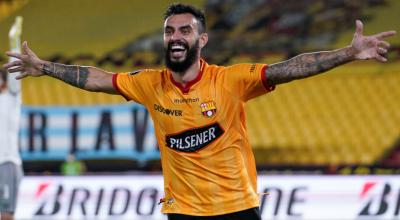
(10, 106)
(198, 110)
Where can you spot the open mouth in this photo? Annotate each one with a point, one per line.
(178, 51)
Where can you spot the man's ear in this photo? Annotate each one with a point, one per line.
(203, 40)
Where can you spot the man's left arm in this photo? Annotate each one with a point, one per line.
(309, 64)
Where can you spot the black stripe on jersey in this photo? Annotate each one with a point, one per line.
(194, 139)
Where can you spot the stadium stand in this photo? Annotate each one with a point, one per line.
(7, 7)
(392, 156)
(349, 116)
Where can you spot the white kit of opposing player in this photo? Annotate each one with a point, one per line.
(10, 111)
(10, 102)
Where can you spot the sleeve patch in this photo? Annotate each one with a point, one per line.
(252, 68)
(134, 72)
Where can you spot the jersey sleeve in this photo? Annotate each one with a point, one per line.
(131, 86)
(248, 80)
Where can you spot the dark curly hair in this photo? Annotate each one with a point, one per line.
(179, 8)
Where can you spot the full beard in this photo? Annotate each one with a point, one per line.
(181, 66)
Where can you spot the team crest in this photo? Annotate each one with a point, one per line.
(208, 109)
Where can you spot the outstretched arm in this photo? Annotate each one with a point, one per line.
(309, 64)
(84, 77)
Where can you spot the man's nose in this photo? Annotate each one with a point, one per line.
(176, 36)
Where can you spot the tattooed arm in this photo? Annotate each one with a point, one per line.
(84, 77)
(309, 64)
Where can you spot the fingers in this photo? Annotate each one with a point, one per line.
(381, 54)
(27, 53)
(22, 75)
(25, 44)
(384, 44)
(16, 69)
(15, 55)
(384, 34)
(380, 58)
(382, 50)
(12, 64)
(359, 27)
(27, 50)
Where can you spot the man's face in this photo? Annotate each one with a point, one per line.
(181, 41)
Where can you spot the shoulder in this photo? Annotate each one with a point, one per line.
(214, 69)
(228, 71)
(141, 77)
(251, 67)
(143, 74)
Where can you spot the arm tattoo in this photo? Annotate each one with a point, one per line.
(306, 65)
(71, 74)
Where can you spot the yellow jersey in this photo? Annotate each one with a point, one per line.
(208, 164)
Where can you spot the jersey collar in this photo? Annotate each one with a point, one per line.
(185, 89)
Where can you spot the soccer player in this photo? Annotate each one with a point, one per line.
(198, 110)
(10, 162)
(10, 108)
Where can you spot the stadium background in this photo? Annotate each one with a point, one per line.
(344, 122)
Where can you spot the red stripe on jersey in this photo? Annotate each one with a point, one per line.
(264, 79)
(115, 84)
(185, 89)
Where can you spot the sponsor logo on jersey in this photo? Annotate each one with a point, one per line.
(188, 100)
(167, 111)
(208, 109)
(194, 139)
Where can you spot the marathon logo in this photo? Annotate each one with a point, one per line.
(171, 112)
(194, 139)
(188, 100)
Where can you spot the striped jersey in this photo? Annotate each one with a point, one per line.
(208, 165)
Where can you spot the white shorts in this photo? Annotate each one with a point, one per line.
(10, 177)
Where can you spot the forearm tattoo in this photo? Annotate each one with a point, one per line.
(306, 65)
(72, 74)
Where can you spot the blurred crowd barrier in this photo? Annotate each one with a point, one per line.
(136, 197)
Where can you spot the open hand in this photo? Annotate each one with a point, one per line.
(370, 47)
(27, 63)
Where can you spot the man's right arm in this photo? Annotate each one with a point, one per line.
(84, 77)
